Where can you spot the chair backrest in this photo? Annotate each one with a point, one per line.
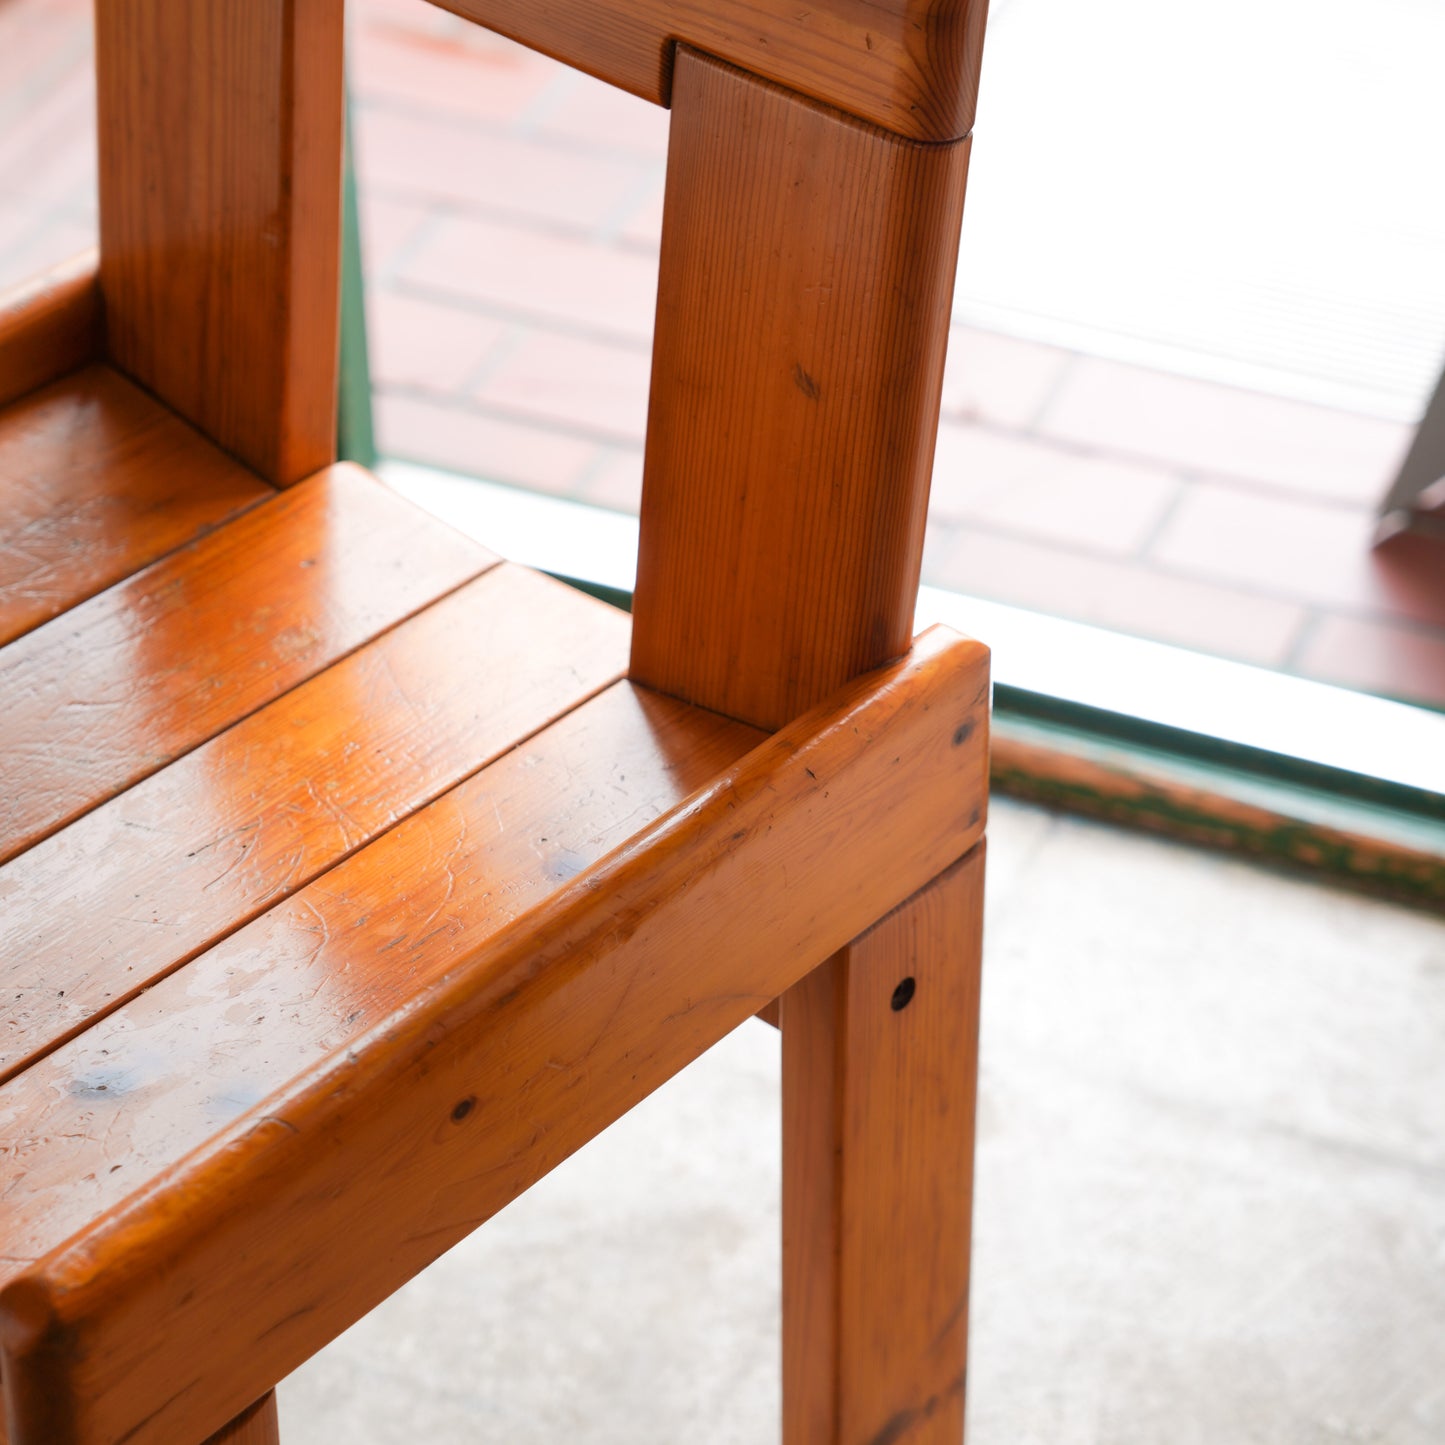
(815, 188)
(909, 66)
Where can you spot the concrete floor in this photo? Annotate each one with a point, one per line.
(1211, 1197)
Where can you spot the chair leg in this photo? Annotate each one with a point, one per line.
(254, 1426)
(880, 1056)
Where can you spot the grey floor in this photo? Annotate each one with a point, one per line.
(1211, 1199)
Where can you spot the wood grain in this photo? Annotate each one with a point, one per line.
(125, 894)
(803, 309)
(459, 1052)
(119, 686)
(49, 326)
(256, 1426)
(878, 1115)
(96, 481)
(910, 66)
(220, 216)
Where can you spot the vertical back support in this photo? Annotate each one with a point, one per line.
(803, 307)
(220, 211)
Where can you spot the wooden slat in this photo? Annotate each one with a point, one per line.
(49, 326)
(107, 906)
(807, 264)
(910, 66)
(880, 1062)
(442, 1057)
(116, 688)
(220, 216)
(96, 480)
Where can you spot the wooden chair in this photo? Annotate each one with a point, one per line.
(351, 878)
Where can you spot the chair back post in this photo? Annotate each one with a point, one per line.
(220, 216)
(802, 317)
(809, 239)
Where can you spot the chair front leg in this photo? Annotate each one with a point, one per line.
(880, 1063)
(254, 1426)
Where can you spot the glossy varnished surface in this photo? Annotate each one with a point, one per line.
(97, 480)
(48, 326)
(115, 688)
(106, 906)
(220, 216)
(807, 264)
(525, 986)
(170, 1068)
(910, 66)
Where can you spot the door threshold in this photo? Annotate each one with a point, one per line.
(1213, 752)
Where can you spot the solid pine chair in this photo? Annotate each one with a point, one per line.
(351, 878)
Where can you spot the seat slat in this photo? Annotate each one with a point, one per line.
(119, 686)
(96, 481)
(84, 1126)
(108, 905)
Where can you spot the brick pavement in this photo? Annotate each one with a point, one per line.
(511, 212)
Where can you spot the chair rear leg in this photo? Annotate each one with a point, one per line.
(254, 1426)
(880, 1055)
